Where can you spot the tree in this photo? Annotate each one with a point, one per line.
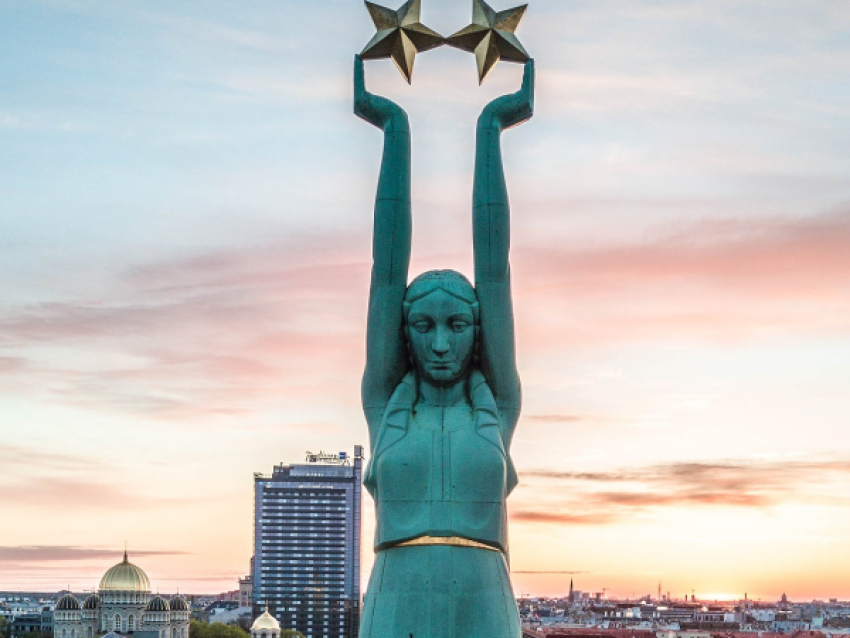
(219, 630)
(215, 630)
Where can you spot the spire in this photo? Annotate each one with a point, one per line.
(125, 552)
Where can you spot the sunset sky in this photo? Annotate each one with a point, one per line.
(185, 218)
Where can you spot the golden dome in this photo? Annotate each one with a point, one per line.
(266, 621)
(125, 576)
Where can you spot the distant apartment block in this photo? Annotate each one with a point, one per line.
(307, 545)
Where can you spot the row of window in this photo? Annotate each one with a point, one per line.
(293, 572)
(340, 499)
(301, 524)
(326, 589)
(309, 547)
(302, 512)
(334, 605)
(282, 564)
(305, 508)
(306, 553)
(124, 597)
(296, 492)
(116, 624)
(335, 515)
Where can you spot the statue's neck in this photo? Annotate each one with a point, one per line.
(444, 396)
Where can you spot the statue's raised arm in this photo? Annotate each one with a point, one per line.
(491, 242)
(386, 351)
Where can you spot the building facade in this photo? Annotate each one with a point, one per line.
(123, 605)
(307, 545)
(36, 622)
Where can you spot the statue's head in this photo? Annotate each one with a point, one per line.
(441, 325)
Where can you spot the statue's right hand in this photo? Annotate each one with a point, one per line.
(377, 110)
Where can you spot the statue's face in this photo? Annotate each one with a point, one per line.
(442, 337)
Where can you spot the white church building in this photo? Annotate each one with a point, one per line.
(124, 605)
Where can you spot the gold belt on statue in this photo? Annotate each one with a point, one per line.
(456, 541)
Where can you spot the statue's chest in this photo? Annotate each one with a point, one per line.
(442, 458)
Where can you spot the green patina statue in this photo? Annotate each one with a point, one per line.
(442, 398)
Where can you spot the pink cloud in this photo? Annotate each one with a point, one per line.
(63, 494)
(16, 457)
(202, 336)
(27, 554)
(608, 497)
(715, 279)
(216, 333)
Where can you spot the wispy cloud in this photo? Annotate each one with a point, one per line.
(216, 333)
(195, 337)
(63, 495)
(716, 279)
(555, 418)
(51, 553)
(12, 365)
(218, 34)
(751, 484)
(562, 518)
(517, 571)
(14, 457)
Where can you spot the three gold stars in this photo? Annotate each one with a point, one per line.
(491, 36)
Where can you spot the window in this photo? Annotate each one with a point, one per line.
(117, 624)
(131, 623)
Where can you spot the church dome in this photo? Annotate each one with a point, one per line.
(125, 576)
(265, 621)
(178, 603)
(92, 602)
(157, 603)
(68, 603)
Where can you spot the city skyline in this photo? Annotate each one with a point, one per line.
(184, 222)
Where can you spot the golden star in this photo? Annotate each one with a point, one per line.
(491, 37)
(400, 36)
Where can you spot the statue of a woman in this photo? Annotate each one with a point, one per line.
(442, 398)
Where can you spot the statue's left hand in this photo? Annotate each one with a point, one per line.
(513, 109)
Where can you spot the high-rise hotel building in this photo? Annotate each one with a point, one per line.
(307, 545)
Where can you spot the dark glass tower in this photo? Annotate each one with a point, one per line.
(307, 545)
